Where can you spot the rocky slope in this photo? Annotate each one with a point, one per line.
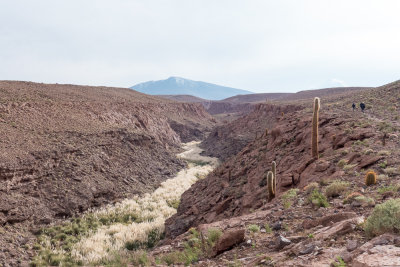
(233, 198)
(228, 139)
(67, 148)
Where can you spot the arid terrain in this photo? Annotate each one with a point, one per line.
(66, 148)
(88, 175)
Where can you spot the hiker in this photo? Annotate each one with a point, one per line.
(362, 106)
(353, 106)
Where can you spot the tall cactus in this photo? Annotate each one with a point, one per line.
(270, 182)
(314, 136)
(273, 169)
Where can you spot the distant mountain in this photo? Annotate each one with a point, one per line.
(185, 98)
(181, 86)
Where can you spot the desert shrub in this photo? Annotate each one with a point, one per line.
(311, 187)
(369, 151)
(254, 228)
(213, 235)
(289, 197)
(174, 203)
(349, 167)
(342, 162)
(350, 197)
(385, 218)
(361, 143)
(317, 199)
(383, 165)
(193, 248)
(392, 171)
(267, 228)
(323, 182)
(389, 188)
(336, 188)
(385, 127)
(384, 153)
(339, 262)
(198, 162)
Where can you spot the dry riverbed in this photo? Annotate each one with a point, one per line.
(105, 235)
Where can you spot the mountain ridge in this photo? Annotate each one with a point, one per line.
(181, 86)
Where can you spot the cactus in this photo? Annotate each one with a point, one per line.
(370, 178)
(270, 183)
(273, 169)
(314, 136)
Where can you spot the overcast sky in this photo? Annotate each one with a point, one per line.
(258, 45)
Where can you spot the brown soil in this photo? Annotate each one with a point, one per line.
(67, 148)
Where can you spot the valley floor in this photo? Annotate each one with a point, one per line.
(104, 236)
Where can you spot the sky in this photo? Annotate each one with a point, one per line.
(256, 45)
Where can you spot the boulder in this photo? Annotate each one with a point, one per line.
(339, 228)
(281, 242)
(381, 255)
(228, 240)
(329, 219)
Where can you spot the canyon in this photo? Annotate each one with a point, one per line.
(69, 150)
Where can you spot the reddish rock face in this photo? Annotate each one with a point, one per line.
(238, 186)
(229, 139)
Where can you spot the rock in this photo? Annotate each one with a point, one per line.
(386, 255)
(276, 226)
(367, 161)
(322, 165)
(351, 245)
(326, 220)
(307, 249)
(296, 238)
(228, 240)
(281, 242)
(339, 228)
(346, 256)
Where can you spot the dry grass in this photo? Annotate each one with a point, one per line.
(147, 214)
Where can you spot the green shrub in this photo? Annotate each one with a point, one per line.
(385, 218)
(342, 163)
(267, 228)
(311, 187)
(336, 188)
(389, 188)
(339, 262)
(289, 197)
(213, 235)
(317, 199)
(254, 228)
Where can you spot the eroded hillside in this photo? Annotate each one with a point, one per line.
(67, 148)
(319, 216)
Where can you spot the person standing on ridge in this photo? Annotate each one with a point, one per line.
(353, 106)
(362, 106)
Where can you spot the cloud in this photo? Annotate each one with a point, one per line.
(258, 45)
(338, 83)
